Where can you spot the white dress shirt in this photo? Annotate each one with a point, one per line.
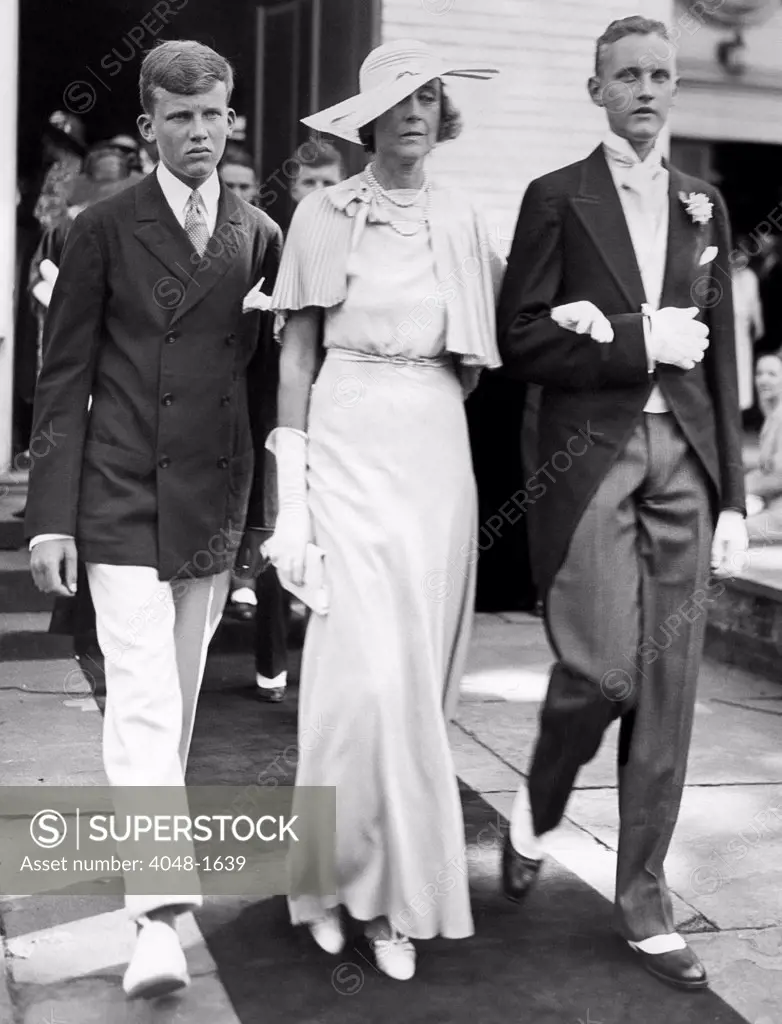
(642, 187)
(177, 195)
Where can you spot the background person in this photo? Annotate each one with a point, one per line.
(748, 314)
(763, 484)
(318, 164)
(105, 173)
(237, 172)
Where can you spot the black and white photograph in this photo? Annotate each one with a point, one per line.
(391, 512)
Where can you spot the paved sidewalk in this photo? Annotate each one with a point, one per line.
(64, 956)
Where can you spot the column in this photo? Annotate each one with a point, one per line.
(9, 66)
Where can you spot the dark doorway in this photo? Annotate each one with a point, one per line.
(750, 178)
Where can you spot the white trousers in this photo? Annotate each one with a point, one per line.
(154, 637)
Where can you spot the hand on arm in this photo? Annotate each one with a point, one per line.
(534, 347)
(584, 318)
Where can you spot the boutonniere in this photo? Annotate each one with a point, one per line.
(698, 205)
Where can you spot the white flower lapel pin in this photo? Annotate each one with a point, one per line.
(698, 205)
(709, 255)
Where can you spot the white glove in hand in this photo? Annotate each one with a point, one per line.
(729, 554)
(676, 337)
(287, 546)
(583, 318)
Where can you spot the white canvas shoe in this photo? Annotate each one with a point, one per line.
(328, 934)
(395, 956)
(158, 966)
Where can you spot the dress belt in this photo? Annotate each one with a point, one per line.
(374, 357)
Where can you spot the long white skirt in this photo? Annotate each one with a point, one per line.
(394, 506)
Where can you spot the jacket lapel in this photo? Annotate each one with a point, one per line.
(600, 211)
(230, 236)
(684, 238)
(160, 233)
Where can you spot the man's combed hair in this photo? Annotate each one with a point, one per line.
(184, 67)
(316, 153)
(450, 124)
(635, 25)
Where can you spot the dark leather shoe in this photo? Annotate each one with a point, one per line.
(680, 968)
(273, 695)
(518, 872)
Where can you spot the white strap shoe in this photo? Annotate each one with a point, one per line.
(394, 956)
(328, 934)
(158, 966)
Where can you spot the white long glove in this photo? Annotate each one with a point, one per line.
(584, 318)
(287, 546)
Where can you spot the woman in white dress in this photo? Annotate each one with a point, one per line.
(395, 280)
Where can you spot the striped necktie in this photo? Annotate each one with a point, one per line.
(195, 222)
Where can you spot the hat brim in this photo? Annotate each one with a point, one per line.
(345, 118)
(58, 136)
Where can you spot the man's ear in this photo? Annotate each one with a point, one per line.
(146, 127)
(231, 116)
(595, 89)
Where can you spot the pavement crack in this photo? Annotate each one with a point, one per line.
(746, 707)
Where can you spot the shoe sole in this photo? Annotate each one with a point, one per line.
(157, 987)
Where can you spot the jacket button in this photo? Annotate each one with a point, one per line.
(222, 462)
(225, 400)
(167, 399)
(164, 463)
(171, 337)
(230, 340)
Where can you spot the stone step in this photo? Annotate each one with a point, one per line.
(745, 628)
(11, 534)
(24, 637)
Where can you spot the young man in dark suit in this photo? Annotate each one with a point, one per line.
(155, 392)
(639, 456)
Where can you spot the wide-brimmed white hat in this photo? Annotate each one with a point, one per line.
(389, 74)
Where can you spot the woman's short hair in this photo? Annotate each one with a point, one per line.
(184, 67)
(635, 25)
(450, 124)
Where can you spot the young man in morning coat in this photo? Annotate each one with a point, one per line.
(639, 456)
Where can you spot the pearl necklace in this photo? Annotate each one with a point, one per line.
(402, 227)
